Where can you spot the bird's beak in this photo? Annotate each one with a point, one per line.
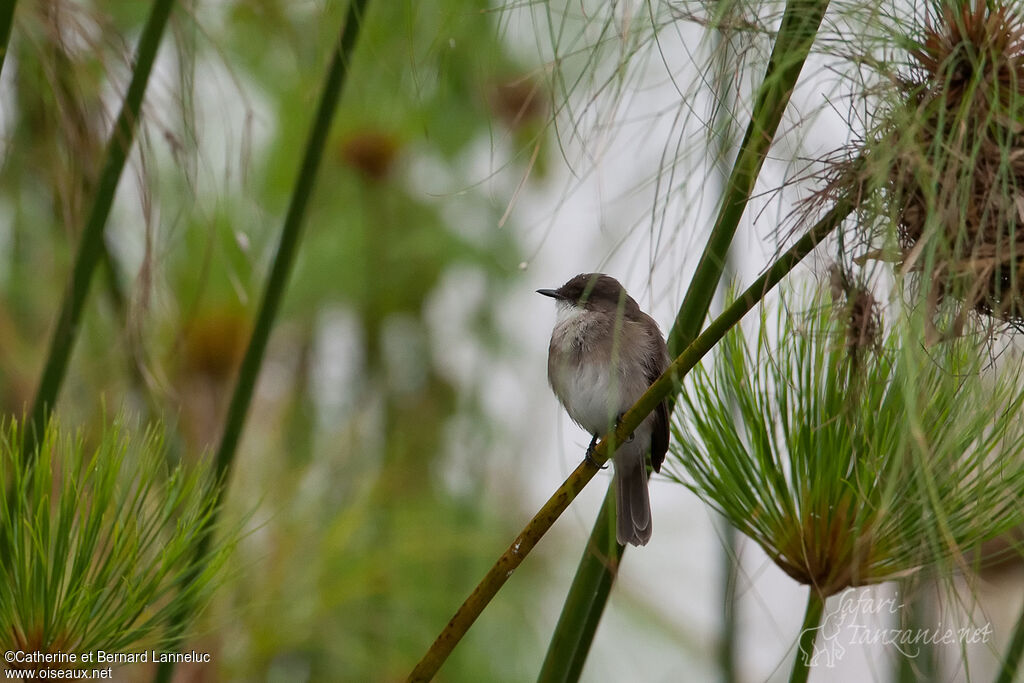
(553, 293)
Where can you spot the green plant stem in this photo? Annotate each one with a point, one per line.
(730, 574)
(796, 35)
(290, 235)
(594, 577)
(567, 651)
(90, 247)
(668, 383)
(808, 635)
(922, 666)
(273, 292)
(6, 21)
(1012, 658)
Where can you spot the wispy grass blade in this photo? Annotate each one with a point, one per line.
(793, 43)
(91, 247)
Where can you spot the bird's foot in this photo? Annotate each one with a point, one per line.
(590, 455)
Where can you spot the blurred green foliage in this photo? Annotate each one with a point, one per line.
(357, 538)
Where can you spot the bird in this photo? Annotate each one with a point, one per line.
(603, 355)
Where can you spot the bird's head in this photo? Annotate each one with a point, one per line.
(590, 291)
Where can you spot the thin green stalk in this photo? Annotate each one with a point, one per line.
(799, 26)
(796, 35)
(290, 236)
(567, 651)
(291, 233)
(90, 247)
(666, 385)
(808, 635)
(923, 666)
(6, 20)
(730, 574)
(1012, 659)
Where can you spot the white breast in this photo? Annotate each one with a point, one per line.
(589, 391)
(589, 395)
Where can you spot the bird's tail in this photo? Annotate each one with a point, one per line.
(633, 503)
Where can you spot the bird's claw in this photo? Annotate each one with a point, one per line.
(593, 442)
(590, 455)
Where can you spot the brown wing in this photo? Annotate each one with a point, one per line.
(660, 433)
